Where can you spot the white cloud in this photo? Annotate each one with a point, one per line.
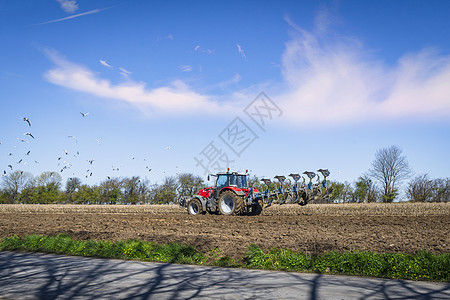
(124, 72)
(331, 80)
(327, 79)
(175, 98)
(241, 51)
(200, 49)
(103, 62)
(94, 11)
(69, 6)
(230, 82)
(185, 68)
(167, 37)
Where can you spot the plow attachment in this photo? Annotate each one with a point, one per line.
(232, 195)
(284, 190)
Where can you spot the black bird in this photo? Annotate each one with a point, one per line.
(4, 173)
(9, 166)
(27, 120)
(29, 151)
(29, 134)
(84, 114)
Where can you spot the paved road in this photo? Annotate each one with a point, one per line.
(44, 276)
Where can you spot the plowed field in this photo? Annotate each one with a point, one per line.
(314, 229)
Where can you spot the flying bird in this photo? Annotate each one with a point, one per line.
(29, 134)
(22, 140)
(4, 173)
(27, 120)
(90, 161)
(29, 151)
(66, 152)
(19, 161)
(84, 114)
(9, 166)
(71, 136)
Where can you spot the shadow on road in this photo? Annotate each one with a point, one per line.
(42, 276)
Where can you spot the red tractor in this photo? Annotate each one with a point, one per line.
(231, 195)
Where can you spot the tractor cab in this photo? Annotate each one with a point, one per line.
(224, 181)
(234, 179)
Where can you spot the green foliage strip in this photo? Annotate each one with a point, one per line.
(421, 266)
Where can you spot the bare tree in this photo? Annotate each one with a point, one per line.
(72, 185)
(48, 177)
(131, 189)
(165, 193)
(390, 168)
(188, 184)
(111, 190)
(15, 182)
(420, 189)
(441, 190)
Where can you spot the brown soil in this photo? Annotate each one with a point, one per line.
(314, 230)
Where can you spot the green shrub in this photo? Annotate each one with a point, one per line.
(421, 266)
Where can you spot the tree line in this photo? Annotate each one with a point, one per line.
(23, 187)
(381, 183)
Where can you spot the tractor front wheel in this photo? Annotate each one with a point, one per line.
(230, 203)
(194, 207)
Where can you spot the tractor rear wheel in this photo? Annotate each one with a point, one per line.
(194, 207)
(230, 203)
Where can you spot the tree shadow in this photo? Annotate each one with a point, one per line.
(45, 276)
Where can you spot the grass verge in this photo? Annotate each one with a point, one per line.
(421, 266)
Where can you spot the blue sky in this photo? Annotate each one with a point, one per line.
(170, 83)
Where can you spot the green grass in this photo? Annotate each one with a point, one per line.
(421, 266)
(131, 249)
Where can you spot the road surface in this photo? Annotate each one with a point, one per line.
(46, 276)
